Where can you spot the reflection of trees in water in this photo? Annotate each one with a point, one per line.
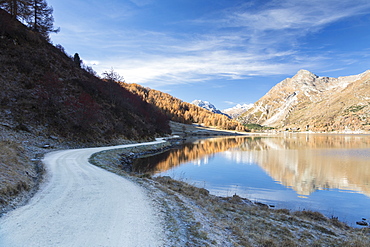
(303, 162)
(189, 152)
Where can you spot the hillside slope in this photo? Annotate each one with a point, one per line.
(236, 111)
(47, 101)
(42, 89)
(183, 112)
(208, 106)
(309, 102)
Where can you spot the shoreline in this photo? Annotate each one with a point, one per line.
(186, 130)
(243, 222)
(193, 217)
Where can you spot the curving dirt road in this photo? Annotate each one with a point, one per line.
(83, 205)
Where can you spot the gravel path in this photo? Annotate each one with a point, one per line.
(83, 205)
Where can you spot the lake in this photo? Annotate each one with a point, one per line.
(325, 173)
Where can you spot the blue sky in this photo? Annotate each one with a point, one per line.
(223, 51)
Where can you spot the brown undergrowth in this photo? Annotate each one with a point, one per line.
(19, 175)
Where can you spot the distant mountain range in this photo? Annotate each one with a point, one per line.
(308, 102)
(183, 112)
(233, 112)
(237, 110)
(208, 106)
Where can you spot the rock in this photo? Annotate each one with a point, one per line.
(46, 145)
(262, 205)
(362, 223)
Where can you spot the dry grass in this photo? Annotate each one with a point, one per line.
(248, 224)
(16, 172)
(21, 170)
(12, 164)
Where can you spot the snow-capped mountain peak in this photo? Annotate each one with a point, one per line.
(239, 106)
(205, 105)
(208, 106)
(237, 110)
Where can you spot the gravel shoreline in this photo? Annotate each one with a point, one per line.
(194, 217)
(191, 216)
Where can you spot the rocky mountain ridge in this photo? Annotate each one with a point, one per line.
(183, 112)
(237, 110)
(208, 106)
(310, 102)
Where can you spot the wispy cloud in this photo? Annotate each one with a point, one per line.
(230, 103)
(242, 41)
(222, 64)
(303, 15)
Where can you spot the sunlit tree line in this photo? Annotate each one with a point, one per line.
(183, 112)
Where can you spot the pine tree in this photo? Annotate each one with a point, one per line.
(77, 60)
(34, 13)
(41, 18)
(18, 9)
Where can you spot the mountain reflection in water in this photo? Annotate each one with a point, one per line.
(305, 163)
(308, 163)
(325, 173)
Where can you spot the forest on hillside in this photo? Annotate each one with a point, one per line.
(183, 112)
(43, 90)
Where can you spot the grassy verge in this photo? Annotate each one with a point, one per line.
(194, 217)
(19, 174)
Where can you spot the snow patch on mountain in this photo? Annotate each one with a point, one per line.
(237, 110)
(316, 103)
(208, 106)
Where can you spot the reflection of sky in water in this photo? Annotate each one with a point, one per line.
(225, 174)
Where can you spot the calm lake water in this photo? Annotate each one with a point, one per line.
(325, 173)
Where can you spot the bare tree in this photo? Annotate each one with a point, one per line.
(113, 76)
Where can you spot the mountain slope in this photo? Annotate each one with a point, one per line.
(183, 112)
(42, 89)
(208, 106)
(237, 110)
(309, 102)
(47, 100)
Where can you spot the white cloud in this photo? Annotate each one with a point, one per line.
(241, 42)
(302, 15)
(91, 62)
(227, 65)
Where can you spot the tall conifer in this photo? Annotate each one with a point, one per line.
(41, 18)
(34, 13)
(19, 9)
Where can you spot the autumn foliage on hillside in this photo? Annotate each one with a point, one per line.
(42, 90)
(183, 112)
